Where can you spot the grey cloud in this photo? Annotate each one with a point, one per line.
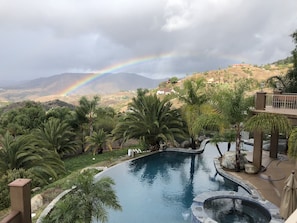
(41, 38)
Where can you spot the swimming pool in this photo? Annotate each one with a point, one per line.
(161, 187)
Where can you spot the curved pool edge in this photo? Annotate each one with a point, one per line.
(199, 215)
(244, 184)
(254, 194)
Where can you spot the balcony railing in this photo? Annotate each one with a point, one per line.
(282, 101)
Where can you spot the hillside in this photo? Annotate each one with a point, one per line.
(117, 90)
(236, 71)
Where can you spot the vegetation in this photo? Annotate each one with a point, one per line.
(287, 83)
(36, 142)
(234, 107)
(88, 199)
(151, 120)
(193, 95)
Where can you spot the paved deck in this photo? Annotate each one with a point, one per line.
(270, 182)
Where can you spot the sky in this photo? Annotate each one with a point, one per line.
(154, 38)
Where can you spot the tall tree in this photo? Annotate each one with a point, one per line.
(89, 199)
(193, 95)
(233, 104)
(86, 111)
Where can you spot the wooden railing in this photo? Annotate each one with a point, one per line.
(283, 101)
(20, 201)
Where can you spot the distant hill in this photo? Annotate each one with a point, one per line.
(117, 89)
(54, 85)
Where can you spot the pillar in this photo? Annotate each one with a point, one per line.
(257, 153)
(260, 101)
(274, 144)
(20, 198)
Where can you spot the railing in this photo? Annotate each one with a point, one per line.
(283, 101)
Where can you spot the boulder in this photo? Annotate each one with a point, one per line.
(36, 202)
(229, 160)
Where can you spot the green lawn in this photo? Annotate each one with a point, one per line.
(79, 162)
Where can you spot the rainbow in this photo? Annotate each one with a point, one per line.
(112, 68)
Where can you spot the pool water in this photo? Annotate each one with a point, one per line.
(161, 187)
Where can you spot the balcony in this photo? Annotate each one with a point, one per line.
(276, 103)
(281, 103)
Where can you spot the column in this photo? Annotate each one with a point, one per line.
(274, 144)
(257, 153)
(260, 101)
(20, 198)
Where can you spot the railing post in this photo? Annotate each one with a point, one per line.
(20, 198)
(260, 101)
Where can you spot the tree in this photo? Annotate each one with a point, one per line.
(150, 119)
(86, 111)
(23, 152)
(194, 97)
(56, 135)
(234, 106)
(97, 141)
(23, 119)
(287, 83)
(89, 199)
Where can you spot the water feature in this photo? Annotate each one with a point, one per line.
(226, 210)
(161, 187)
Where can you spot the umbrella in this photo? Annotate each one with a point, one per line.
(289, 197)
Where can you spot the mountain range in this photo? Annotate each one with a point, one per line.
(60, 84)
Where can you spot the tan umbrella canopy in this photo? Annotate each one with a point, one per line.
(289, 197)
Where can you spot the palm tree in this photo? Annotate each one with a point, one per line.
(194, 97)
(89, 199)
(23, 152)
(56, 135)
(150, 119)
(234, 106)
(269, 123)
(86, 111)
(97, 141)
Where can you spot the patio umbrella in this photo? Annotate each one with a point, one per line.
(289, 197)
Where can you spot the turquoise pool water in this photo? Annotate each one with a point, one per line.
(160, 188)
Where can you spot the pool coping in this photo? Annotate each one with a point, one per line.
(199, 215)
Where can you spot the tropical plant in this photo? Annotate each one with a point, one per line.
(97, 141)
(150, 119)
(234, 106)
(56, 135)
(192, 94)
(23, 152)
(268, 122)
(89, 199)
(86, 111)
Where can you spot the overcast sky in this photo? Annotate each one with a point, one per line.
(43, 38)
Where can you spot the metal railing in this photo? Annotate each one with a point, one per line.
(283, 101)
